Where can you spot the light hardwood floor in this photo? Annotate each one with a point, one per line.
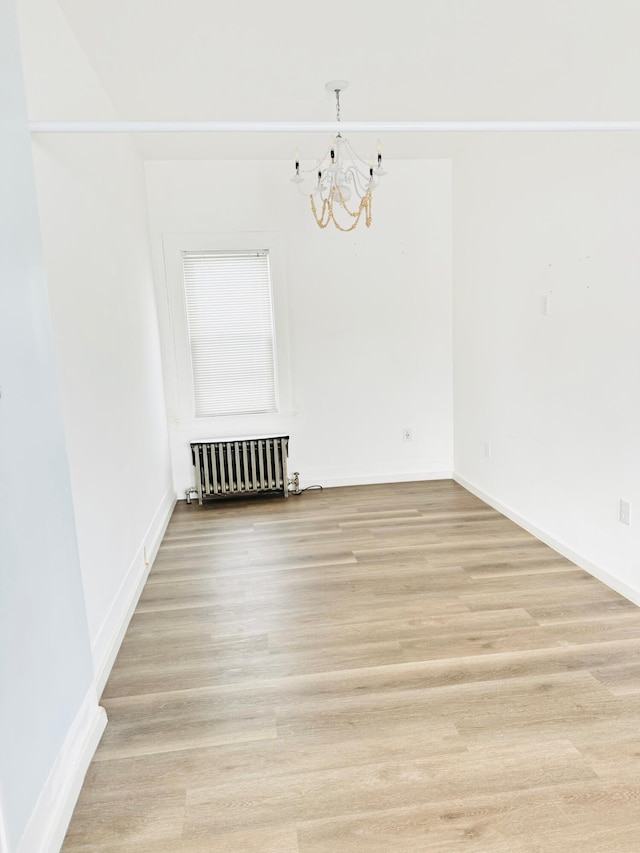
(382, 668)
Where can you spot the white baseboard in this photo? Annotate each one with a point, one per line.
(333, 481)
(50, 819)
(112, 631)
(598, 572)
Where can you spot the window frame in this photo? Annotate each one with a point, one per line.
(174, 245)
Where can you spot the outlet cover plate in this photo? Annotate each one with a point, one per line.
(625, 512)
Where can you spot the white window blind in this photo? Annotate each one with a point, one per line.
(231, 334)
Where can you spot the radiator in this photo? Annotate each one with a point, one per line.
(240, 466)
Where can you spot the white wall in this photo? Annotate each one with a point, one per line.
(369, 316)
(556, 396)
(91, 197)
(45, 659)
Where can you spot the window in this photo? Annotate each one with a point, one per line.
(198, 346)
(229, 313)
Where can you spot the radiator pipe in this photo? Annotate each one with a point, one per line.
(295, 482)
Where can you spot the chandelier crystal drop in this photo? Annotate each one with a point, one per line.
(344, 181)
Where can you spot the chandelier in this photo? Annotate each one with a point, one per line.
(345, 181)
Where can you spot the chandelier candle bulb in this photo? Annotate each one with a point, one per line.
(297, 178)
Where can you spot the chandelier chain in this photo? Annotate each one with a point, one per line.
(327, 214)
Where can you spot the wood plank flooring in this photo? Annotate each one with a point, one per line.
(383, 668)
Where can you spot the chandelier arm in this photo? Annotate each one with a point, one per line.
(358, 180)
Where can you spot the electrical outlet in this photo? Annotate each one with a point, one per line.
(546, 305)
(406, 434)
(625, 512)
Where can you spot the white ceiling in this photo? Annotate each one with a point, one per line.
(405, 60)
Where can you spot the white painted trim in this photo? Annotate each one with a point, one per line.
(598, 572)
(330, 126)
(4, 841)
(50, 819)
(370, 480)
(109, 638)
(174, 244)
